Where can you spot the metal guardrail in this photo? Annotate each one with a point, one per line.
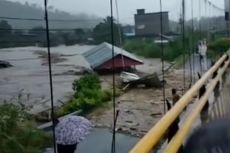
(47, 126)
(152, 138)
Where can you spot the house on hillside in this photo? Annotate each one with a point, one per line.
(100, 58)
(148, 24)
(128, 30)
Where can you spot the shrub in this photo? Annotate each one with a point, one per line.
(19, 133)
(70, 106)
(143, 48)
(106, 95)
(88, 81)
(148, 49)
(88, 95)
(220, 45)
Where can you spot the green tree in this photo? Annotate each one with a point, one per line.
(102, 32)
(5, 28)
(37, 31)
(80, 35)
(88, 95)
(38, 35)
(68, 38)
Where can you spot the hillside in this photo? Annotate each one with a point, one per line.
(16, 9)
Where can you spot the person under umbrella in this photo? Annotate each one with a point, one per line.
(70, 132)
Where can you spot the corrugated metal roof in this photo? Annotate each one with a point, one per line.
(103, 53)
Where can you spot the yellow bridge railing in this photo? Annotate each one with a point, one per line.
(148, 143)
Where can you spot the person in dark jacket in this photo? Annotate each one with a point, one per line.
(175, 96)
(66, 148)
(213, 137)
(174, 127)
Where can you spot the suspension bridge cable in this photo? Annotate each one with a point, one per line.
(209, 21)
(119, 33)
(162, 55)
(192, 41)
(183, 42)
(199, 19)
(189, 59)
(118, 22)
(190, 66)
(113, 147)
(206, 23)
(199, 45)
(50, 74)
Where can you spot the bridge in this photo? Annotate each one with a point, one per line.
(205, 101)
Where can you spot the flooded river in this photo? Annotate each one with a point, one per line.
(28, 79)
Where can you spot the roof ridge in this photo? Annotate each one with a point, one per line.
(103, 52)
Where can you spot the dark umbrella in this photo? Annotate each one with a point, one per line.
(72, 130)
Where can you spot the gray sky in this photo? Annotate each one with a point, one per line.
(127, 8)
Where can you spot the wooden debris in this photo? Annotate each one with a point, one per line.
(149, 81)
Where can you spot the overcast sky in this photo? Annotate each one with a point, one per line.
(127, 8)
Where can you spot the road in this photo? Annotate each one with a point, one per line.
(99, 141)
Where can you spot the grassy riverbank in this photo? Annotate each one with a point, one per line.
(218, 47)
(88, 95)
(19, 133)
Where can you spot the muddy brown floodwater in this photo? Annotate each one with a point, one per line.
(28, 81)
(139, 108)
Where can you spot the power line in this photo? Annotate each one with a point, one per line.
(113, 147)
(52, 20)
(16, 18)
(23, 42)
(22, 59)
(38, 30)
(34, 32)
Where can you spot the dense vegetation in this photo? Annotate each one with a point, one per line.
(88, 95)
(173, 50)
(30, 9)
(218, 47)
(102, 32)
(37, 36)
(19, 133)
(149, 49)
